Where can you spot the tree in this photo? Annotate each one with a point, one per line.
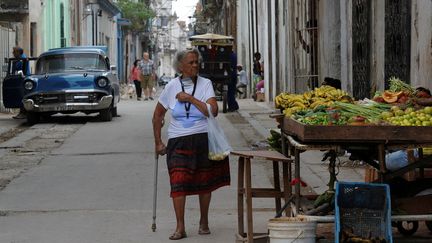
(137, 12)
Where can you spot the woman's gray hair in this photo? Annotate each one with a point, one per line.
(180, 55)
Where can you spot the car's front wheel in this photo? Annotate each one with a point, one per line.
(32, 118)
(106, 114)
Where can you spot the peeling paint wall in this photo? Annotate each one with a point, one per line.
(329, 39)
(421, 44)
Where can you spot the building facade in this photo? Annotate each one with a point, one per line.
(167, 37)
(360, 42)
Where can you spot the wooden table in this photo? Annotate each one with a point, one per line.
(244, 188)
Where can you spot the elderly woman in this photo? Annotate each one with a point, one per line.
(188, 97)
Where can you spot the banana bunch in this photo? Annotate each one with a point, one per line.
(317, 101)
(324, 95)
(329, 93)
(286, 100)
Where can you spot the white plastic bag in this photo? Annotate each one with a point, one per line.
(219, 147)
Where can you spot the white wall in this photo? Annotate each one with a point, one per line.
(421, 44)
(329, 39)
(244, 37)
(35, 15)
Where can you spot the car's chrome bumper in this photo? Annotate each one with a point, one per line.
(104, 103)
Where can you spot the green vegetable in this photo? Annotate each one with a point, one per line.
(371, 112)
(397, 85)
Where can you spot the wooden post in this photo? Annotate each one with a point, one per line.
(240, 192)
(249, 215)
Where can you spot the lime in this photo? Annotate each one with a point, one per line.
(409, 110)
(426, 123)
(386, 114)
(428, 109)
(394, 108)
(399, 112)
(422, 118)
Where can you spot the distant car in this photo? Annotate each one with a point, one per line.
(66, 80)
(164, 80)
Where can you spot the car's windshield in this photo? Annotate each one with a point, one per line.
(68, 62)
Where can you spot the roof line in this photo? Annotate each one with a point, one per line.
(109, 6)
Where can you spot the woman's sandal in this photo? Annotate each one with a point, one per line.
(203, 230)
(178, 235)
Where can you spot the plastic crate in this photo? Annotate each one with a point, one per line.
(363, 209)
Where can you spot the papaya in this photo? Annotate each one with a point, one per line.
(390, 97)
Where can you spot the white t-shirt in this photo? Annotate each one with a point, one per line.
(243, 77)
(180, 125)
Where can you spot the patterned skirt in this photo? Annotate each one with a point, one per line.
(190, 170)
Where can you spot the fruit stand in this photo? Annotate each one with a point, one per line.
(330, 121)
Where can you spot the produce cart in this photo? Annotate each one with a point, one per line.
(216, 51)
(301, 138)
(302, 132)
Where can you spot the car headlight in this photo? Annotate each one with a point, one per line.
(102, 82)
(28, 85)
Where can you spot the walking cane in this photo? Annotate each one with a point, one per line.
(155, 192)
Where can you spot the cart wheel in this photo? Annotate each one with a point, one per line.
(407, 227)
(429, 225)
(224, 101)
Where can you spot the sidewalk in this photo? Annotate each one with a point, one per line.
(313, 171)
(7, 122)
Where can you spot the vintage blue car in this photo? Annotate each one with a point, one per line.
(65, 80)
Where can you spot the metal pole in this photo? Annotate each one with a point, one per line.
(155, 192)
(93, 26)
(96, 27)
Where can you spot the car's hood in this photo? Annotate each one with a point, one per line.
(65, 81)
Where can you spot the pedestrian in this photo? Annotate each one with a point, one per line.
(188, 97)
(243, 80)
(232, 85)
(20, 65)
(135, 78)
(147, 76)
(257, 68)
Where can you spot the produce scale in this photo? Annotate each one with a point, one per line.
(328, 119)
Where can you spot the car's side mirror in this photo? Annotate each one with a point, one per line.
(113, 68)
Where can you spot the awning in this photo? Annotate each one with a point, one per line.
(210, 36)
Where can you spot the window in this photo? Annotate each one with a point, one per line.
(70, 62)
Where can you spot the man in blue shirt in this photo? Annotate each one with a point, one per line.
(20, 65)
(18, 52)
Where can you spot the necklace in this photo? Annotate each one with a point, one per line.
(188, 104)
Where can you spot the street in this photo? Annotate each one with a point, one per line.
(88, 181)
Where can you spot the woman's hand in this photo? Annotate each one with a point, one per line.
(184, 97)
(160, 148)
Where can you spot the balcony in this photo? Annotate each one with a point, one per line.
(14, 7)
